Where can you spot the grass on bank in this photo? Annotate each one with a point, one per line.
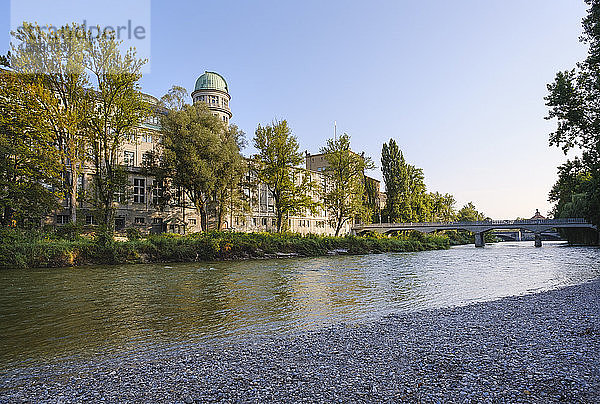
(22, 250)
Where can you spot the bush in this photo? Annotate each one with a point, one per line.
(133, 233)
(69, 231)
(22, 252)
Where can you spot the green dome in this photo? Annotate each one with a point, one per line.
(211, 81)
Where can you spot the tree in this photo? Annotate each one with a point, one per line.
(573, 101)
(228, 196)
(119, 107)
(30, 169)
(275, 165)
(174, 99)
(202, 156)
(51, 64)
(405, 186)
(441, 207)
(371, 200)
(468, 213)
(345, 184)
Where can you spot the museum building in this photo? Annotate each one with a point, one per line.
(138, 204)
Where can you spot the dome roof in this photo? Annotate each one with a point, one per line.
(211, 81)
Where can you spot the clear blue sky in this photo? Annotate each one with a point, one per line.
(458, 84)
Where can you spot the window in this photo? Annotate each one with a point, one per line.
(139, 190)
(119, 223)
(157, 220)
(264, 221)
(192, 222)
(119, 195)
(274, 222)
(62, 219)
(89, 219)
(254, 221)
(139, 220)
(147, 137)
(157, 192)
(146, 159)
(225, 102)
(128, 158)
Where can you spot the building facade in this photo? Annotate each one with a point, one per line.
(139, 206)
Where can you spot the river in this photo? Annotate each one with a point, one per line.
(59, 314)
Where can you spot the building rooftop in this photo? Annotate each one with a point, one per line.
(211, 81)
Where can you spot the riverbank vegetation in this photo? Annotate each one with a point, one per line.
(573, 103)
(59, 249)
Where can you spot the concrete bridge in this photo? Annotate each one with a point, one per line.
(536, 226)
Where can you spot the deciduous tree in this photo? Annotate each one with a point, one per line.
(344, 191)
(52, 66)
(30, 169)
(573, 101)
(119, 107)
(276, 166)
(405, 186)
(203, 158)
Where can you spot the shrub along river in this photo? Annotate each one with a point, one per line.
(70, 313)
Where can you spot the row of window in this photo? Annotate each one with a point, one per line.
(213, 100)
(142, 136)
(91, 220)
(129, 158)
(264, 221)
(153, 119)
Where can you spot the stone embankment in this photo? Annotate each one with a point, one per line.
(536, 348)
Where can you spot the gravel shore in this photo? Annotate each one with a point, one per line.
(536, 348)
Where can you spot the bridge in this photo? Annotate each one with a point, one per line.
(536, 226)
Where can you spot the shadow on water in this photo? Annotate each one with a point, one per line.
(49, 314)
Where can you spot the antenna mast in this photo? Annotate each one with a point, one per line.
(335, 130)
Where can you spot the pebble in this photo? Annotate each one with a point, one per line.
(539, 348)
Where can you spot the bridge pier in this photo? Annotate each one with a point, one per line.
(538, 240)
(479, 240)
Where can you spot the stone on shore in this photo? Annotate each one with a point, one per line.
(536, 348)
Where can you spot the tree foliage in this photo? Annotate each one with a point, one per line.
(276, 166)
(202, 157)
(405, 186)
(86, 95)
(344, 190)
(30, 169)
(469, 213)
(51, 65)
(574, 102)
(441, 207)
(119, 107)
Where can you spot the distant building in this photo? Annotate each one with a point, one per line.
(211, 88)
(538, 216)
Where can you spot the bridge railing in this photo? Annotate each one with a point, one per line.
(479, 223)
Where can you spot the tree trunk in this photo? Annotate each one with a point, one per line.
(203, 218)
(73, 194)
(279, 221)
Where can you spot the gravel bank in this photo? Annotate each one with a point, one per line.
(537, 348)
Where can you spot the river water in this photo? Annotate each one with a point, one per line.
(57, 314)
